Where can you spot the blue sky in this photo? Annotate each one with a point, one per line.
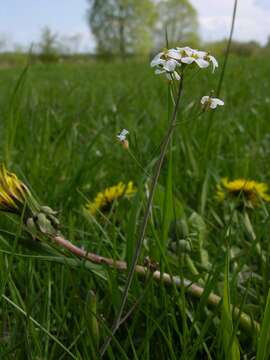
(22, 20)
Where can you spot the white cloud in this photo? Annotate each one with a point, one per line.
(264, 4)
(252, 19)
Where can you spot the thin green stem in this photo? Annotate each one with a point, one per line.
(136, 255)
(138, 163)
(227, 50)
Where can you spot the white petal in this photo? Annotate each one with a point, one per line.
(156, 60)
(202, 63)
(124, 132)
(204, 99)
(213, 105)
(174, 54)
(188, 50)
(187, 60)
(159, 63)
(218, 101)
(170, 65)
(121, 137)
(201, 54)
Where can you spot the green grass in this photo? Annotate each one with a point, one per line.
(58, 126)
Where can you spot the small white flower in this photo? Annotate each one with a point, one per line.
(122, 135)
(166, 63)
(174, 54)
(185, 51)
(210, 102)
(199, 57)
(168, 68)
(157, 60)
(164, 56)
(170, 65)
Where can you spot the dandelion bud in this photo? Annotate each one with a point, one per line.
(16, 198)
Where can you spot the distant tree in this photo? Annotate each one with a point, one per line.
(122, 26)
(48, 46)
(180, 19)
(70, 44)
(3, 41)
(267, 45)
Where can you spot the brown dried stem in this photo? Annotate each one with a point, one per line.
(245, 321)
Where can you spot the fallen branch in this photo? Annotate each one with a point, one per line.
(245, 321)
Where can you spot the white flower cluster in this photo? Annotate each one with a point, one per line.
(167, 61)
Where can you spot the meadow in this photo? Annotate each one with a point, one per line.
(58, 126)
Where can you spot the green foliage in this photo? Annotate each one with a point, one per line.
(122, 27)
(129, 26)
(59, 124)
(240, 48)
(179, 18)
(229, 340)
(48, 46)
(263, 343)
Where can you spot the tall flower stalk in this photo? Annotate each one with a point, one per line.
(172, 63)
(153, 186)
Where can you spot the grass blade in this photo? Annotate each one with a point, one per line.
(229, 340)
(265, 331)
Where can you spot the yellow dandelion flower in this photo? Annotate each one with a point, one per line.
(12, 192)
(242, 189)
(104, 199)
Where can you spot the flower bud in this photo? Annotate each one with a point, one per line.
(125, 144)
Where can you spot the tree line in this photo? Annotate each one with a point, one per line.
(126, 27)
